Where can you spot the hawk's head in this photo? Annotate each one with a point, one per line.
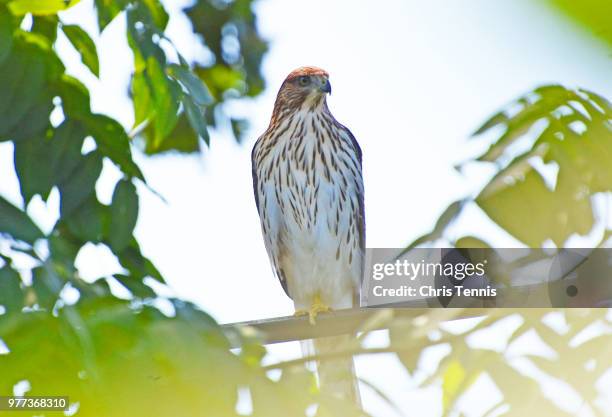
(303, 86)
(308, 80)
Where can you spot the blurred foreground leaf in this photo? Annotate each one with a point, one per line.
(553, 156)
(84, 46)
(594, 15)
(17, 224)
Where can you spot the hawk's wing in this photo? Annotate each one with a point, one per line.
(254, 173)
(361, 214)
(270, 227)
(358, 214)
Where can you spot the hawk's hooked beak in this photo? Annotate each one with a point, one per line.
(325, 86)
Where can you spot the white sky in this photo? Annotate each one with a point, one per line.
(411, 79)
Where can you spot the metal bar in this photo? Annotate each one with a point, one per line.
(291, 328)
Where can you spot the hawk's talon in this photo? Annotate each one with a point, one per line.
(317, 307)
(300, 313)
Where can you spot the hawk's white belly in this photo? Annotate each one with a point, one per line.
(312, 232)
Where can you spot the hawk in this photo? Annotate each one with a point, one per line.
(309, 194)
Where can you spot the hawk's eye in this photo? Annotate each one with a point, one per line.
(304, 80)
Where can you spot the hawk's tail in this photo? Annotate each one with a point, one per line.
(336, 374)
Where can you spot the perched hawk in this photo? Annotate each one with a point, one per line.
(309, 194)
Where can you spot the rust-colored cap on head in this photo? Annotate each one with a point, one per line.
(301, 71)
(307, 80)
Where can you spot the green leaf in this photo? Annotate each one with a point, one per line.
(242, 70)
(593, 15)
(196, 118)
(23, 77)
(495, 120)
(7, 27)
(547, 99)
(140, 267)
(221, 78)
(471, 242)
(239, 126)
(47, 286)
(39, 7)
(46, 26)
(517, 197)
(42, 162)
(107, 10)
(157, 12)
(85, 46)
(34, 121)
(88, 220)
(602, 102)
(81, 184)
(26, 98)
(110, 136)
(583, 160)
(33, 167)
(123, 215)
(113, 143)
(165, 95)
(17, 223)
(135, 286)
(75, 98)
(532, 213)
(182, 139)
(196, 88)
(11, 296)
(516, 128)
(453, 380)
(141, 30)
(141, 97)
(11, 74)
(63, 248)
(64, 150)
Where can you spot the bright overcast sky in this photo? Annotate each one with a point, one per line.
(411, 79)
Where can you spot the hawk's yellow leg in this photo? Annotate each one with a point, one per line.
(317, 307)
